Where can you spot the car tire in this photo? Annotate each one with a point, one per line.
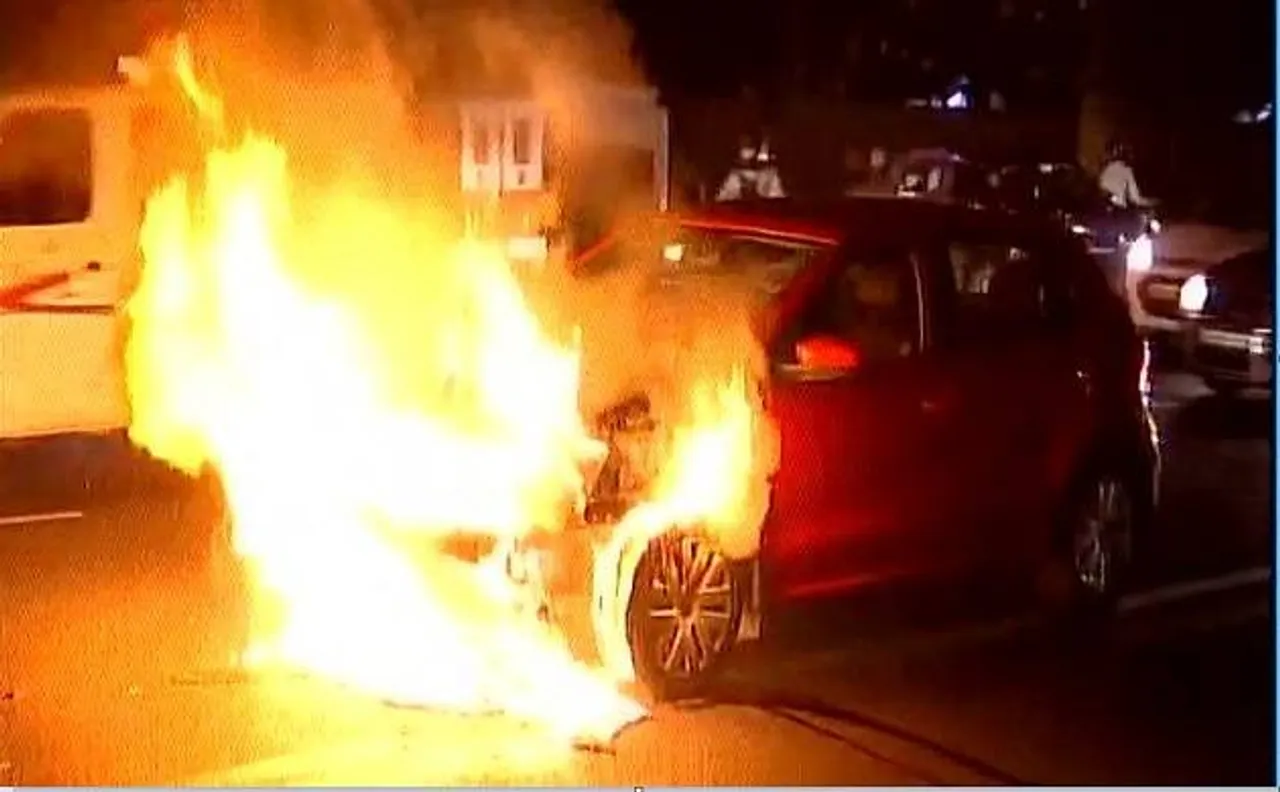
(1093, 557)
(683, 615)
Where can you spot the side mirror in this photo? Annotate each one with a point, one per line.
(827, 353)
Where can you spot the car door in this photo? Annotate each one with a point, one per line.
(853, 495)
(1007, 352)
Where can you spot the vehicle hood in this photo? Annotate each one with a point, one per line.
(1196, 245)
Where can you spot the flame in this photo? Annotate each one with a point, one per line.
(207, 104)
(366, 390)
(714, 481)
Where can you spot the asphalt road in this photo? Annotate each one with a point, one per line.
(116, 629)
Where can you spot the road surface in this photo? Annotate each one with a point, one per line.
(117, 624)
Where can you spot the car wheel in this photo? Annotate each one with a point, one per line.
(683, 616)
(1089, 571)
(1101, 543)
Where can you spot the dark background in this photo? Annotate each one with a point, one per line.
(823, 78)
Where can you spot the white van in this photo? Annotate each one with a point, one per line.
(71, 201)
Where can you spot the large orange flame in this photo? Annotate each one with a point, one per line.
(355, 428)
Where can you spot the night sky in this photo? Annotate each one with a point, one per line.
(1184, 57)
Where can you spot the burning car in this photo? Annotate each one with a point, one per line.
(814, 398)
(948, 395)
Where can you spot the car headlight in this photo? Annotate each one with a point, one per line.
(1141, 254)
(1194, 294)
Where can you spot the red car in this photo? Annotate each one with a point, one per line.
(955, 390)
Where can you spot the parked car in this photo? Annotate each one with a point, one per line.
(1231, 308)
(956, 391)
(1193, 241)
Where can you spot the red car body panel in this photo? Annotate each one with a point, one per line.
(945, 460)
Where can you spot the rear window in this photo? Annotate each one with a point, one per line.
(763, 264)
(46, 167)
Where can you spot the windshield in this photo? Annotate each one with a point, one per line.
(762, 264)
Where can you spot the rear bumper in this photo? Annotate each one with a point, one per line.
(1230, 355)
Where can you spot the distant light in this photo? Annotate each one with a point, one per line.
(958, 100)
(1079, 229)
(673, 253)
(1258, 116)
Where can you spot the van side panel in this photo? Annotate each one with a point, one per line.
(63, 272)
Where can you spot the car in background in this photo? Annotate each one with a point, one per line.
(1068, 192)
(1193, 241)
(1231, 311)
(957, 393)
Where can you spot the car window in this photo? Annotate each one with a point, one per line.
(46, 167)
(1001, 291)
(762, 264)
(873, 303)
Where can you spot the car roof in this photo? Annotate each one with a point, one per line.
(863, 219)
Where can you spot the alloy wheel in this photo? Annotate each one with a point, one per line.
(690, 607)
(1103, 535)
